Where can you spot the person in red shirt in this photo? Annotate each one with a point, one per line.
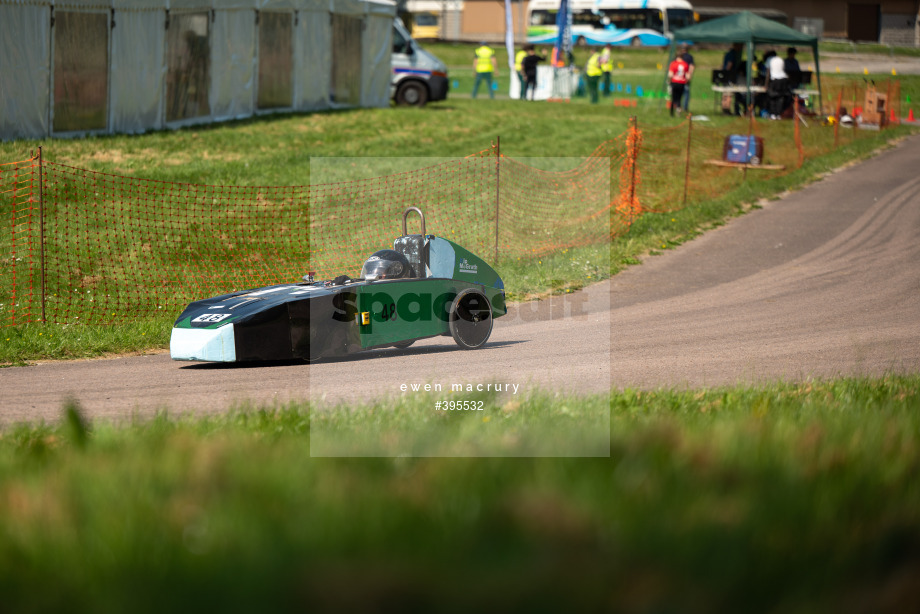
(679, 73)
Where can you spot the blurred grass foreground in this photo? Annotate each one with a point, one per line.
(789, 498)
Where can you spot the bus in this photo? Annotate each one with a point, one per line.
(614, 22)
(426, 19)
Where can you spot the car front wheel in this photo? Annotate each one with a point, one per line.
(411, 94)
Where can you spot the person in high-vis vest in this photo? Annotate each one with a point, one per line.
(485, 66)
(593, 74)
(519, 68)
(607, 68)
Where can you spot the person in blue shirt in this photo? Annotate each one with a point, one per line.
(684, 52)
(731, 67)
(791, 66)
(731, 61)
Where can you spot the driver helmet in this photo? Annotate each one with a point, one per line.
(386, 264)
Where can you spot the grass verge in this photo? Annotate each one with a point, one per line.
(276, 150)
(565, 270)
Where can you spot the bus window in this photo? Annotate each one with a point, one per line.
(680, 18)
(634, 19)
(587, 19)
(543, 18)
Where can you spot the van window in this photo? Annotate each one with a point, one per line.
(399, 42)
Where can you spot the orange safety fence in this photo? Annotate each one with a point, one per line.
(93, 247)
(677, 163)
(855, 99)
(19, 184)
(628, 205)
(682, 164)
(85, 246)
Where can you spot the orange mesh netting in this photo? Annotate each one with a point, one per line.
(113, 248)
(19, 249)
(86, 246)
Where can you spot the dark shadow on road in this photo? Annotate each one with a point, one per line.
(359, 356)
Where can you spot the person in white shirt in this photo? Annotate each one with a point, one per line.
(777, 87)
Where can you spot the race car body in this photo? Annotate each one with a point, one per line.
(425, 287)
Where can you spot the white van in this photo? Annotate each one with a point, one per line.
(417, 76)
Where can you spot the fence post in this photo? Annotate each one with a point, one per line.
(853, 110)
(687, 167)
(41, 226)
(498, 159)
(888, 107)
(837, 120)
(634, 154)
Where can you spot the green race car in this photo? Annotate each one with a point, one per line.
(426, 286)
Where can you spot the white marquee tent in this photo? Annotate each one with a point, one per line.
(71, 67)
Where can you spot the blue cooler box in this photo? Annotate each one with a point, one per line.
(743, 149)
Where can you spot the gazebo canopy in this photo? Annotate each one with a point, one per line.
(744, 27)
(747, 28)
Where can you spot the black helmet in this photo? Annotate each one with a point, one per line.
(386, 264)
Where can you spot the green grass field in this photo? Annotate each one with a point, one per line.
(276, 151)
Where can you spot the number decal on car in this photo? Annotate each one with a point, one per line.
(389, 312)
(212, 317)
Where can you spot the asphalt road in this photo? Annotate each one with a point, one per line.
(833, 62)
(822, 283)
(875, 63)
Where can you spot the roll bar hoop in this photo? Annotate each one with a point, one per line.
(406, 215)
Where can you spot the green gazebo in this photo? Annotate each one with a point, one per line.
(750, 29)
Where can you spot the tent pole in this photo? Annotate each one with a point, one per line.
(814, 49)
(749, 105)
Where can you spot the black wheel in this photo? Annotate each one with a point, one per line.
(635, 42)
(470, 319)
(412, 93)
(404, 344)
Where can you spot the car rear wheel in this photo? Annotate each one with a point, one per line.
(411, 93)
(471, 319)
